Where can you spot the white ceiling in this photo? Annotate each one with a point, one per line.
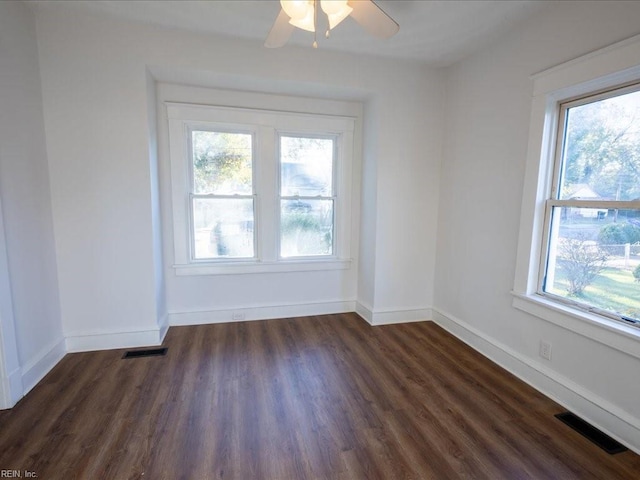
(437, 33)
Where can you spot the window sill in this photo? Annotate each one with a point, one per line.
(614, 334)
(242, 268)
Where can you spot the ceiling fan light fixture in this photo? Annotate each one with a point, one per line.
(307, 22)
(305, 14)
(336, 10)
(296, 9)
(333, 6)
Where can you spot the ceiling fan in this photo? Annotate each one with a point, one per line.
(311, 15)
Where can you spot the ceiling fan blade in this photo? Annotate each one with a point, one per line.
(280, 32)
(373, 19)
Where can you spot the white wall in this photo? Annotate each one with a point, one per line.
(29, 297)
(486, 135)
(95, 94)
(99, 138)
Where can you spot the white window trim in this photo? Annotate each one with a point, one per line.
(266, 124)
(606, 68)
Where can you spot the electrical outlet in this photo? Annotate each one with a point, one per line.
(237, 316)
(545, 350)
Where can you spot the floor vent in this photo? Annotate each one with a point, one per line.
(149, 352)
(601, 439)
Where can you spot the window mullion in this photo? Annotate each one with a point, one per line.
(267, 189)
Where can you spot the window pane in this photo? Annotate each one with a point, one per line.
(221, 163)
(594, 258)
(306, 227)
(223, 227)
(601, 158)
(306, 166)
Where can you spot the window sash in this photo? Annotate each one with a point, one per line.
(331, 254)
(198, 127)
(218, 129)
(336, 139)
(192, 229)
(545, 257)
(563, 118)
(550, 204)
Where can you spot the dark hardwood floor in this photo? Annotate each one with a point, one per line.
(326, 397)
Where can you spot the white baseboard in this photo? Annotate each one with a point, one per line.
(21, 381)
(16, 388)
(364, 311)
(594, 409)
(388, 317)
(109, 340)
(163, 324)
(263, 312)
(35, 370)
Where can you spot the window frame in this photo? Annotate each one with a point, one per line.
(266, 126)
(554, 201)
(192, 195)
(604, 69)
(333, 197)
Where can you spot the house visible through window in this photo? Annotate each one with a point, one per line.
(591, 257)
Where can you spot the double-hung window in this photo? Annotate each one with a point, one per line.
(259, 190)
(222, 207)
(591, 257)
(307, 196)
(578, 262)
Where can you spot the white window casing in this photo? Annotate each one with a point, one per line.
(604, 69)
(265, 126)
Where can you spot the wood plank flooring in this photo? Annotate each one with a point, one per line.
(325, 397)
